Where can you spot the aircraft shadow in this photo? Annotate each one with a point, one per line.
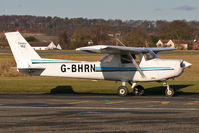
(69, 90)
(160, 90)
(62, 90)
(153, 91)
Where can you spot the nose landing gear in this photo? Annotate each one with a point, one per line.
(169, 91)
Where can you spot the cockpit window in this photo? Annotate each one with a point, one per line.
(107, 59)
(126, 59)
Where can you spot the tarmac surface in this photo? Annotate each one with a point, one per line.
(85, 113)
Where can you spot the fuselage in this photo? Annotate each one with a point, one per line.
(154, 69)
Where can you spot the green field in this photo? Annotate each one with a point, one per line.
(12, 81)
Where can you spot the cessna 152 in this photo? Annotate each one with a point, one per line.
(125, 64)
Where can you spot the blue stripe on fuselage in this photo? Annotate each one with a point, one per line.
(131, 68)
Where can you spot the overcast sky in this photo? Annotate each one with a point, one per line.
(106, 9)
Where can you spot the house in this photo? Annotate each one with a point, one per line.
(181, 44)
(43, 45)
(178, 44)
(59, 47)
(165, 43)
(52, 46)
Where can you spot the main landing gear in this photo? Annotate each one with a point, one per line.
(123, 91)
(139, 90)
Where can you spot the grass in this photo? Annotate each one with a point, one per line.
(66, 85)
(11, 81)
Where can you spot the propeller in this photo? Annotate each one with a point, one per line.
(133, 60)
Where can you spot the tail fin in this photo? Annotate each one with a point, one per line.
(21, 49)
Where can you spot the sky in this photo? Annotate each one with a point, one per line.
(106, 9)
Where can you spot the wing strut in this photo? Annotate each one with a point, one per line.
(137, 66)
(133, 60)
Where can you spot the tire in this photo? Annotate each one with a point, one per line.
(170, 92)
(123, 91)
(138, 90)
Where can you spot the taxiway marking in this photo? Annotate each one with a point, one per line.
(165, 102)
(114, 102)
(78, 102)
(191, 103)
(144, 102)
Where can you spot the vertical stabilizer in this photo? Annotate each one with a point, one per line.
(21, 49)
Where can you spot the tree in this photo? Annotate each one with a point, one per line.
(137, 37)
(64, 40)
(31, 39)
(153, 39)
(99, 33)
(79, 38)
(178, 30)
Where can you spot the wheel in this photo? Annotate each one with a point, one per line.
(138, 90)
(122, 91)
(169, 92)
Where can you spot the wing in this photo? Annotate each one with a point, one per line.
(119, 49)
(156, 50)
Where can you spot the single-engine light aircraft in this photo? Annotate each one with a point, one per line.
(126, 64)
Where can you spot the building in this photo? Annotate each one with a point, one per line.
(59, 47)
(178, 44)
(181, 44)
(43, 45)
(165, 43)
(52, 46)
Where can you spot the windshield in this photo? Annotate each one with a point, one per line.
(150, 55)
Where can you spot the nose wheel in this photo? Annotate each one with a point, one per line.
(169, 92)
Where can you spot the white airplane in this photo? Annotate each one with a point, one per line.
(125, 64)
